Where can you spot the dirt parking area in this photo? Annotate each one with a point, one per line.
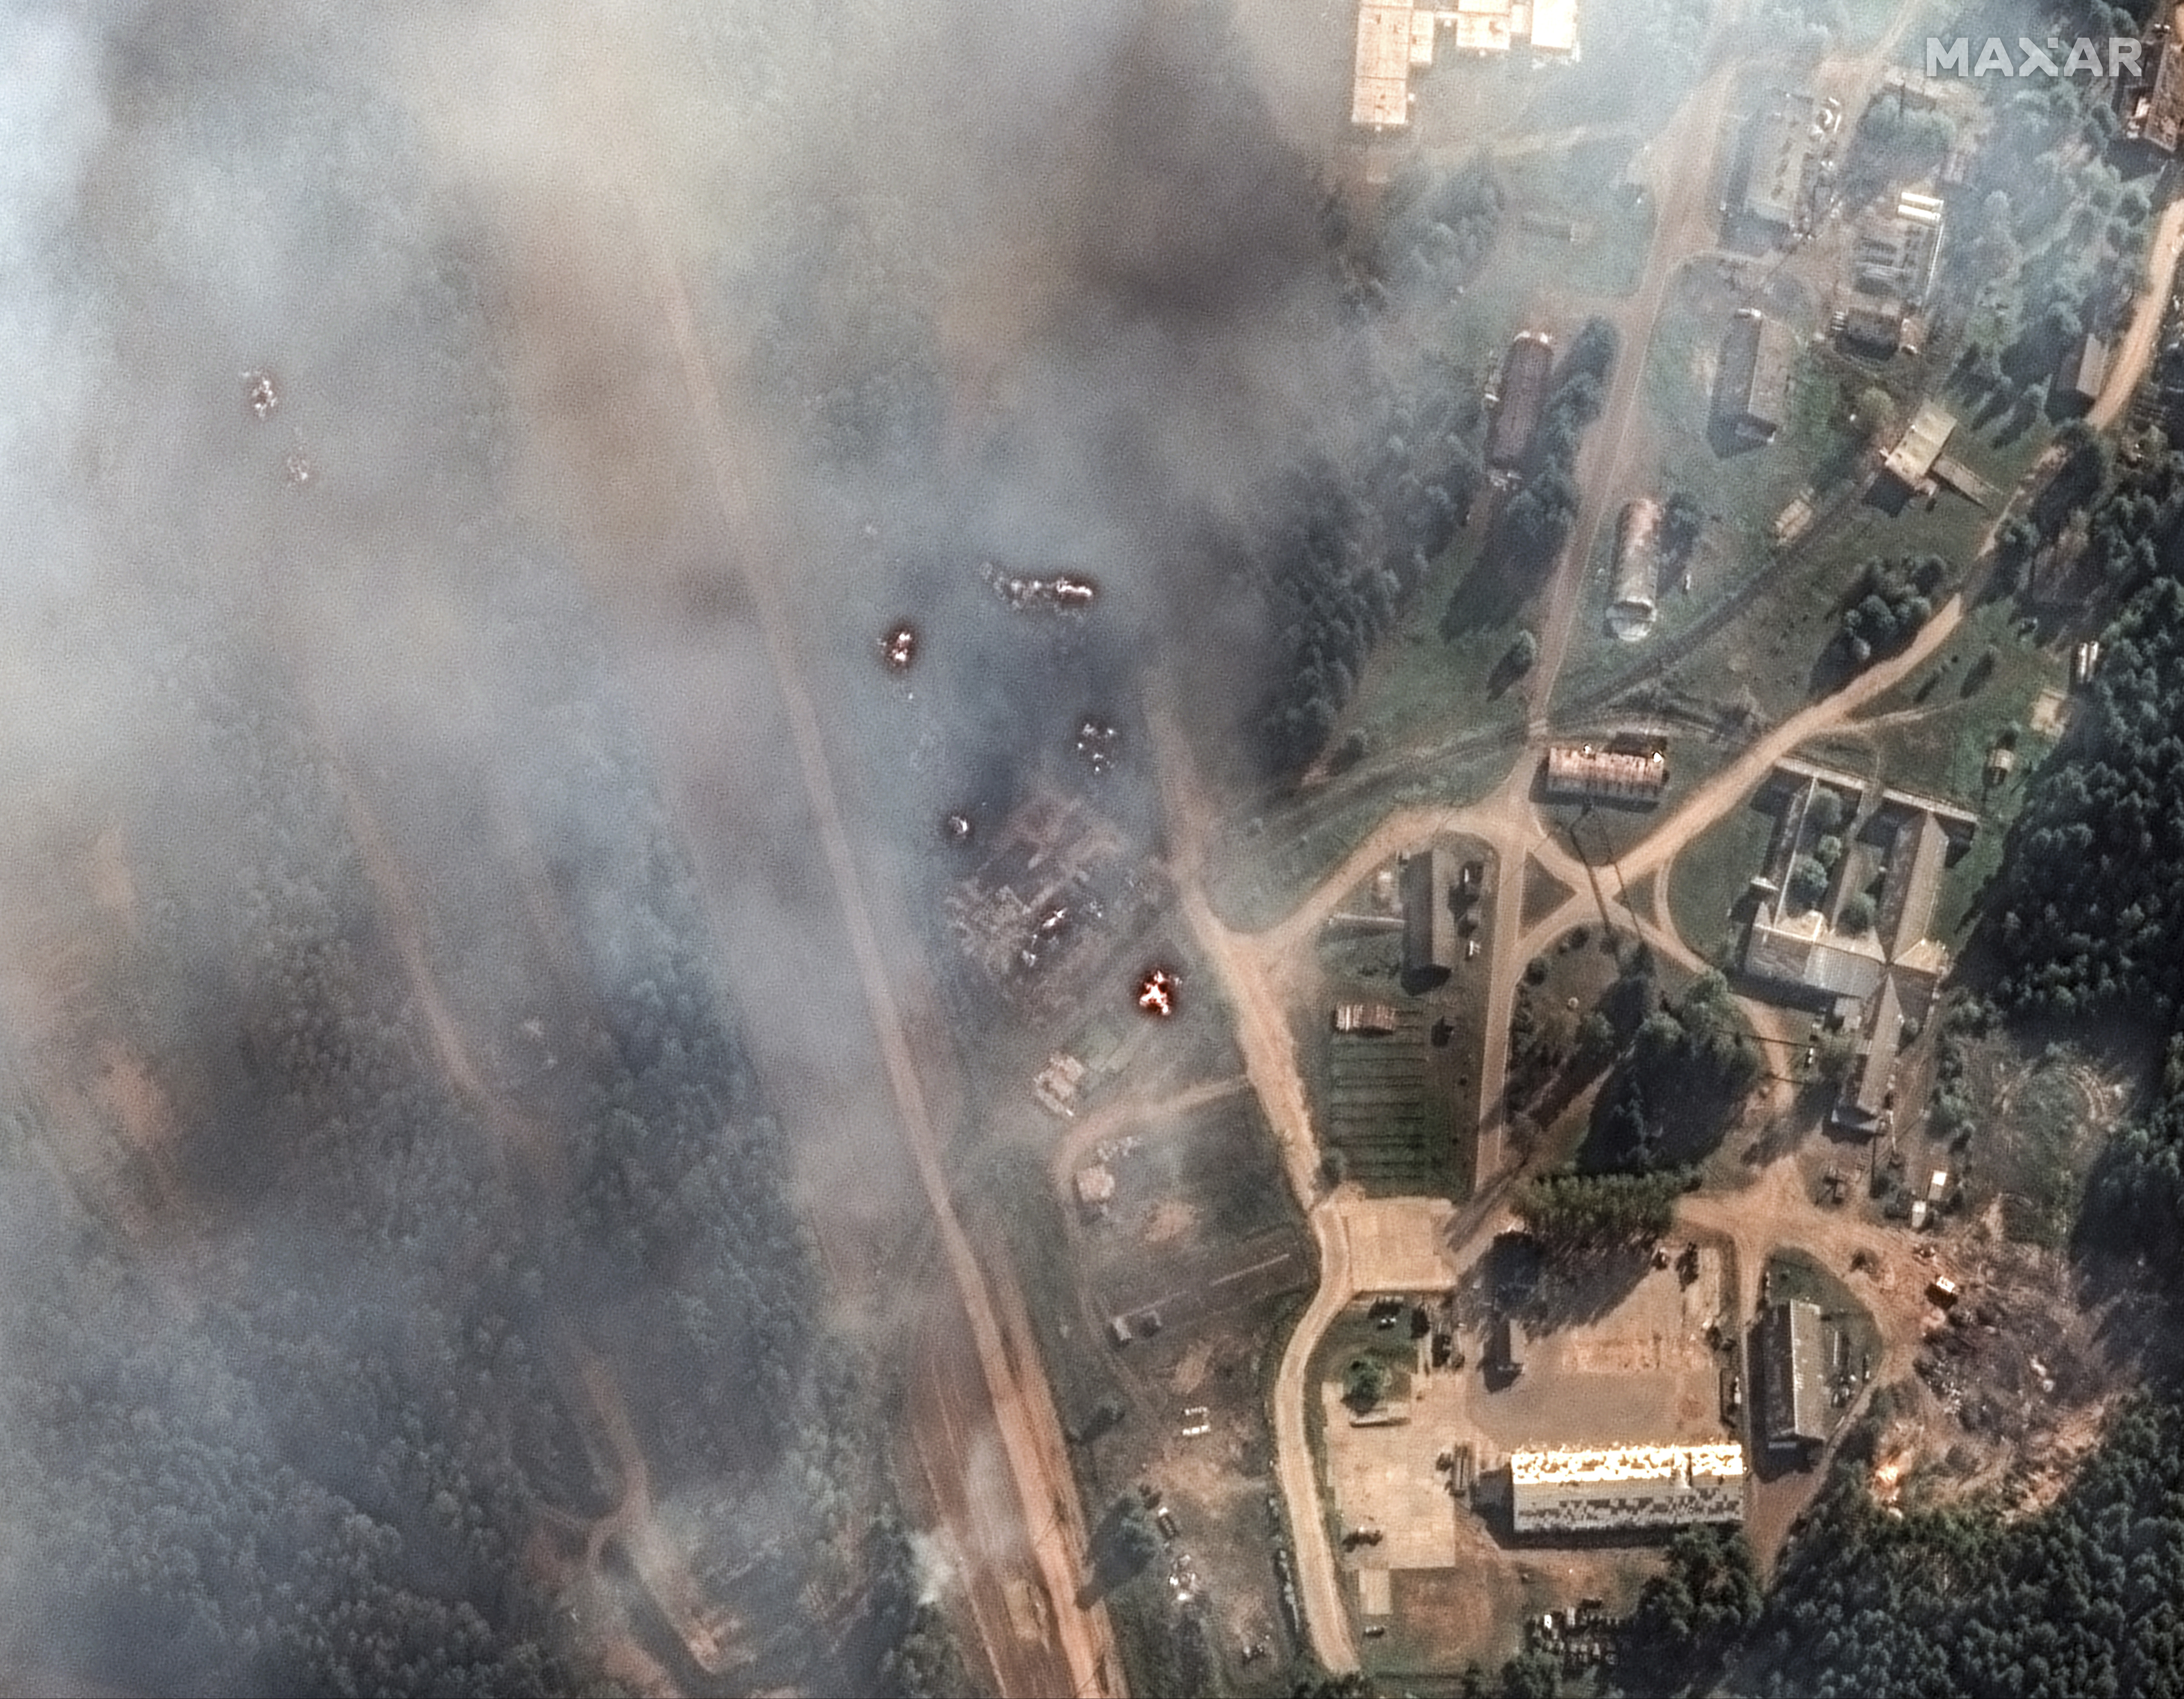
(1601, 1370)
(1395, 1244)
(1619, 1357)
(1385, 1477)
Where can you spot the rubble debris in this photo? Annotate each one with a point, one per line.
(1057, 1084)
(298, 467)
(957, 829)
(1156, 993)
(899, 648)
(1097, 744)
(1063, 593)
(260, 394)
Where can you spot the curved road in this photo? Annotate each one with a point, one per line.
(2132, 356)
(1247, 966)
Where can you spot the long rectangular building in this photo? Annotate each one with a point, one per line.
(1429, 923)
(1522, 397)
(1794, 1367)
(1598, 773)
(1627, 1487)
(1380, 81)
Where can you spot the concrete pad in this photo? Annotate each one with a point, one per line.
(1385, 1477)
(1395, 1244)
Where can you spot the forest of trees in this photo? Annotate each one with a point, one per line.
(1891, 599)
(2060, 236)
(1688, 1067)
(1690, 1617)
(1584, 1214)
(314, 1461)
(2084, 918)
(1537, 521)
(1350, 535)
(2085, 1598)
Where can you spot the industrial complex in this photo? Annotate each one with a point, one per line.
(1395, 39)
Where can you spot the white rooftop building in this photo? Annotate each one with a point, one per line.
(1626, 1487)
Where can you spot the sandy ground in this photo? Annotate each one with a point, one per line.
(2127, 365)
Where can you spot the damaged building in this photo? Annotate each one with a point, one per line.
(1611, 772)
(1752, 385)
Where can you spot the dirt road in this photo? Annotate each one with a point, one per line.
(2127, 365)
(1680, 177)
(1113, 1119)
(1326, 1616)
(1015, 1408)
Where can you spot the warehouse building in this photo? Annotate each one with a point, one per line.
(1633, 599)
(1911, 461)
(1380, 82)
(2084, 369)
(1429, 923)
(1779, 162)
(1523, 397)
(1868, 1094)
(1793, 1357)
(1629, 1487)
(1751, 386)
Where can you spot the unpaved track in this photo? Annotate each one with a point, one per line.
(1506, 821)
(1327, 1618)
(1111, 1120)
(2127, 367)
(1082, 1633)
(1681, 179)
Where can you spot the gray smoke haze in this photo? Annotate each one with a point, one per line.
(359, 754)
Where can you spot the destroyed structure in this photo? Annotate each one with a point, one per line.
(1055, 890)
(1634, 772)
(1367, 1020)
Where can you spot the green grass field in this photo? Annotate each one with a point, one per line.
(1707, 879)
(1769, 656)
